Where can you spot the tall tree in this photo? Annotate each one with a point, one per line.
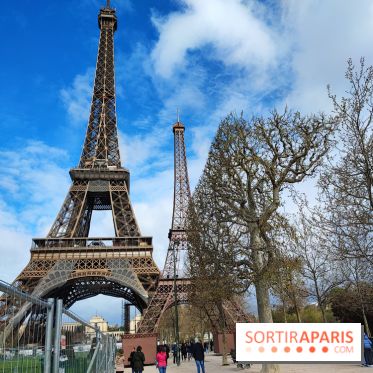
(250, 164)
(211, 244)
(347, 181)
(359, 275)
(320, 267)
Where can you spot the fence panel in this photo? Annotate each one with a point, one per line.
(39, 336)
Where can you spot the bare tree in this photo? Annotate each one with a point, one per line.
(288, 284)
(250, 164)
(358, 272)
(214, 277)
(347, 181)
(320, 268)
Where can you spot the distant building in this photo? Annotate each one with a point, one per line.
(134, 322)
(70, 326)
(102, 324)
(99, 322)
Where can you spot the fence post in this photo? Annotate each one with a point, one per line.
(57, 335)
(48, 336)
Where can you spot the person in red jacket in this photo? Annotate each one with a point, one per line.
(161, 359)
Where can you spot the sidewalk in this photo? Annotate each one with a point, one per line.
(213, 365)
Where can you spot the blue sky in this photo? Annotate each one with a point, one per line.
(207, 58)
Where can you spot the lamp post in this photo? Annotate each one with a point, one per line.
(176, 309)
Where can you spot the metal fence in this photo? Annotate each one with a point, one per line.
(39, 336)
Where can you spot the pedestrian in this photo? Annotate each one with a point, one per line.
(206, 346)
(183, 351)
(161, 359)
(138, 360)
(368, 351)
(130, 359)
(211, 345)
(199, 356)
(174, 352)
(189, 350)
(167, 349)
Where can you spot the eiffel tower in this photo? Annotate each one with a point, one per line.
(173, 272)
(69, 264)
(163, 299)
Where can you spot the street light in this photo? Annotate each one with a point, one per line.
(176, 243)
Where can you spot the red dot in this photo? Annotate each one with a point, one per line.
(287, 349)
(274, 349)
(299, 349)
(312, 349)
(261, 349)
(325, 349)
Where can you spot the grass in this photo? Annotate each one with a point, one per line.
(35, 365)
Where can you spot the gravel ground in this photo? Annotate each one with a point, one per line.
(213, 365)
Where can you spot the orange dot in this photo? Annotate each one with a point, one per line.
(325, 349)
(312, 349)
(287, 349)
(261, 349)
(299, 349)
(274, 349)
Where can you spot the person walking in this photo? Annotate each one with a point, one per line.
(130, 359)
(183, 351)
(189, 350)
(174, 352)
(367, 351)
(199, 356)
(138, 360)
(161, 358)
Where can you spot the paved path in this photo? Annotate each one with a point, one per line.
(213, 365)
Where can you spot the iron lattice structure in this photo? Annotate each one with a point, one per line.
(69, 264)
(177, 234)
(164, 297)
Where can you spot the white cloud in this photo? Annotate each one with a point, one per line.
(77, 97)
(143, 152)
(34, 190)
(15, 244)
(235, 35)
(324, 35)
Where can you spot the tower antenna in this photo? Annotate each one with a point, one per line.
(107, 3)
(178, 116)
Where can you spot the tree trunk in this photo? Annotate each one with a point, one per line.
(366, 325)
(265, 316)
(224, 357)
(284, 312)
(297, 311)
(223, 328)
(323, 313)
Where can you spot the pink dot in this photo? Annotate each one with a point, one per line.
(274, 349)
(248, 349)
(287, 349)
(261, 349)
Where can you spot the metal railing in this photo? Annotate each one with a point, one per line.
(131, 243)
(41, 336)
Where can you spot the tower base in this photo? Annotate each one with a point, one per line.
(148, 342)
(230, 339)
